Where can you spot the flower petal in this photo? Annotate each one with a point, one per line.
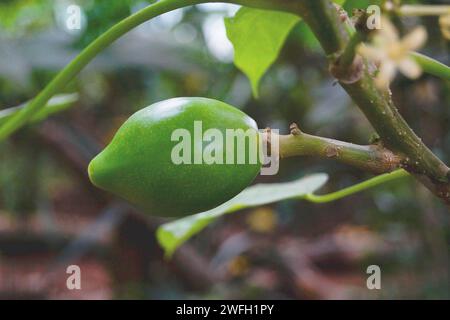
(386, 74)
(371, 52)
(410, 68)
(415, 39)
(444, 22)
(388, 30)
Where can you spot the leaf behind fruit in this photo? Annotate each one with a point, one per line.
(173, 234)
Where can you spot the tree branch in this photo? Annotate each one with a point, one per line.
(327, 24)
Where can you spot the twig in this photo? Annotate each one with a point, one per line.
(423, 10)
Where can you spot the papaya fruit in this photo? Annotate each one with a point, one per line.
(168, 158)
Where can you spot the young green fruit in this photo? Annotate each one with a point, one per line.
(139, 165)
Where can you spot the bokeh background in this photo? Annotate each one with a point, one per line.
(52, 217)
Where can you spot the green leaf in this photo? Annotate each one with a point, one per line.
(56, 104)
(339, 2)
(349, 5)
(431, 66)
(257, 37)
(173, 234)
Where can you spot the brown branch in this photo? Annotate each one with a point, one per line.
(327, 24)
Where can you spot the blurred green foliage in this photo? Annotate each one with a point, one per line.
(19, 16)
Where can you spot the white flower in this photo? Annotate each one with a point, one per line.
(444, 22)
(391, 53)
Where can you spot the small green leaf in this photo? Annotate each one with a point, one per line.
(257, 36)
(56, 104)
(339, 2)
(431, 66)
(173, 234)
(349, 5)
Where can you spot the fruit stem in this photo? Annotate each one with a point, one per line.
(372, 158)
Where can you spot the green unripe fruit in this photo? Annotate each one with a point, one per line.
(167, 172)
